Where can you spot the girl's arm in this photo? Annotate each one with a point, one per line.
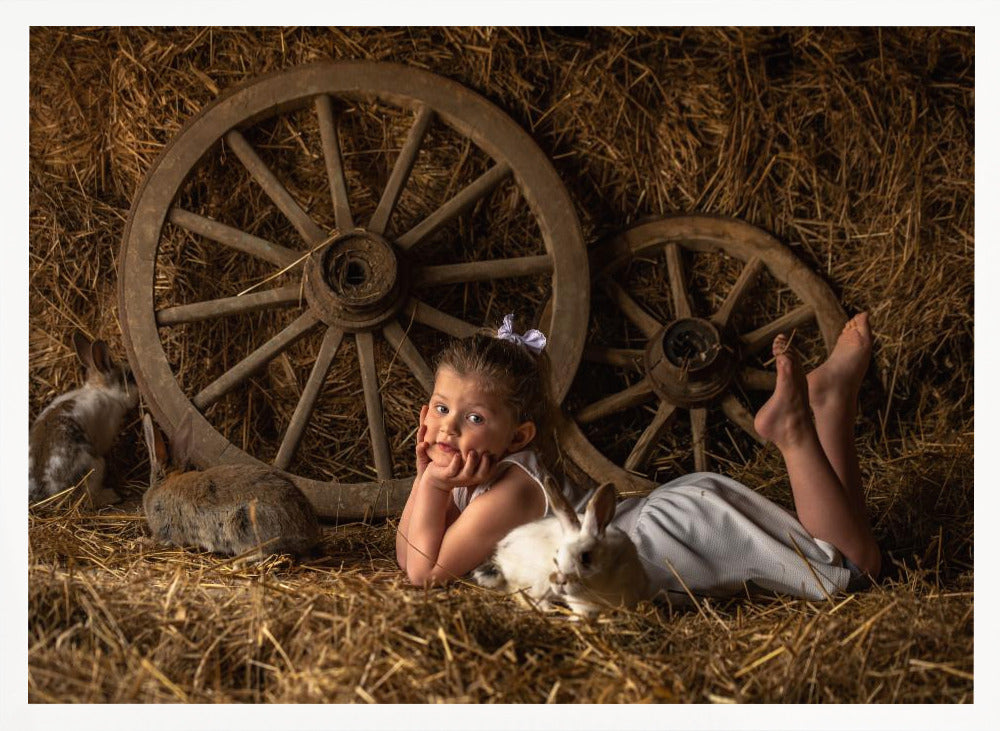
(402, 530)
(438, 551)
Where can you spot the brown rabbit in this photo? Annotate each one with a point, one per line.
(232, 509)
(70, 437)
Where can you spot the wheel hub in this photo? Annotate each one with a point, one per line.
(688, 362)
(355, 282)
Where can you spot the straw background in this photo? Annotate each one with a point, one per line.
(853, 146)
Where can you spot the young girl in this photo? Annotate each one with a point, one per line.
(477, 478)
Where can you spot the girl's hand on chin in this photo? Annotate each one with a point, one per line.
(459, 471)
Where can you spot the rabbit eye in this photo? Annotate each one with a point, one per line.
(585, 558)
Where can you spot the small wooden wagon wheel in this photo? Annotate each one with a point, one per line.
(696, 352)
(343, 275)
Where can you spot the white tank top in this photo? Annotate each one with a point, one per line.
(528, 461)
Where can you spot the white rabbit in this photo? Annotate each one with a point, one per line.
(231, 508)
(71, 436)
(585, 563)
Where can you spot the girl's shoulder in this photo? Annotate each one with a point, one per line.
(525, 472)
(529, 462)
(529, 465)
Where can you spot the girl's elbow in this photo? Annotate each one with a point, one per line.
(401, 555)
(421, 576)
(417, 576)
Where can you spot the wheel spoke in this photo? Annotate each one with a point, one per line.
(631, 396)
(649, 325)
(402, 344)
(334, 163)
(456, 206)
(743, 283)
(425, 314)
(373, 406)
(258, 358)
(624, 357)
(699, 430)
(649, 438)
(478, 271)
(401, 171)
(678, 289)
(304, 408)
(738, 414)
(277, 192)
(758, 379)
(196, 311)
(762, 337)
(233, 237)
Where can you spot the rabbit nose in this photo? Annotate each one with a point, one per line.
(558, 578)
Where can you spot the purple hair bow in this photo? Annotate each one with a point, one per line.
(533, 340)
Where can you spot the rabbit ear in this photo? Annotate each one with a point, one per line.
(600, 510)
(101, 357)
(180, 443)
(560, 506)
(81, 343)
(154, 443)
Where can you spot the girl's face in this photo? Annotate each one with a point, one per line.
(463, 416)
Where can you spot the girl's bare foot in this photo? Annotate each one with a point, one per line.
(785, 419)
(841, 375)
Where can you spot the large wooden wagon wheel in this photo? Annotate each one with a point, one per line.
(342, 276)
(700, 351)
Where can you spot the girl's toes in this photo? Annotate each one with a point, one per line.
(780, 344)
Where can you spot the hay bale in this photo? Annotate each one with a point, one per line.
(852, 145)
